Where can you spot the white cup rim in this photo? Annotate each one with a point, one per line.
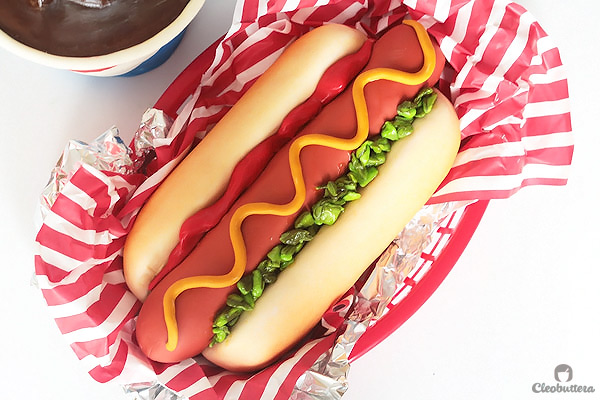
(137, 52)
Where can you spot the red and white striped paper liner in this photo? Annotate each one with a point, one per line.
(504, 76)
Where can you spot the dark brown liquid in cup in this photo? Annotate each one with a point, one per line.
(68, 29)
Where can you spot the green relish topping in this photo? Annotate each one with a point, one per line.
(363, 165)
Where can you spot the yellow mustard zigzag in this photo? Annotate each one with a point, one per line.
(235, 231)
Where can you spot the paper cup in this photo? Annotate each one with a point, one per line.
(133, 60)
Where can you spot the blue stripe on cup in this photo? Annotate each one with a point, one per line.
(158, 58)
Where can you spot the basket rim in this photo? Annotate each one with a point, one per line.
(427, 285)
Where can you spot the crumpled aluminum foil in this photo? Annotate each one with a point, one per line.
(150, 391)
(155, 126)
(327, 378)
(107, 152)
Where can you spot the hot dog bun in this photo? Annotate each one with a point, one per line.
(203, 175)
(290, 308)
(398, 49)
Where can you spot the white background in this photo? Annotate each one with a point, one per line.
(523, 298)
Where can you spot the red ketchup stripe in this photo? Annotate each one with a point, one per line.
(333, 82)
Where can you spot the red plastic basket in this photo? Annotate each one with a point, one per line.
(517, 136)
(447, 245)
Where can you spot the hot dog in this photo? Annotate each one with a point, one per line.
(294, 303)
